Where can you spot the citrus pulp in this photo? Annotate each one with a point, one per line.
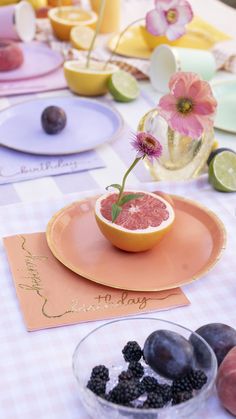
(222, 171)
(123, 86)
(140, 225)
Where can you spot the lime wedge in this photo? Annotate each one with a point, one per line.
(222, 172)
(123, 86)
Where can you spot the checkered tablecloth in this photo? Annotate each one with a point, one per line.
(36, 378)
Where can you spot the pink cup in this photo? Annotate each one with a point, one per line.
(17, 22)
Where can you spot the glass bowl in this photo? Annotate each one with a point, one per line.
(103, 346)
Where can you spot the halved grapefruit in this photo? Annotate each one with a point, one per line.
(140, 225)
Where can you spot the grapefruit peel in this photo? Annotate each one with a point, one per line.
(131, 238)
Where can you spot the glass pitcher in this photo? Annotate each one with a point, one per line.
(182, 157)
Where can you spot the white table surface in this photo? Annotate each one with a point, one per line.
(36, 378)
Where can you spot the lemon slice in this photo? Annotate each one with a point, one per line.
(123, 86)
(81, 37)
(222, 172)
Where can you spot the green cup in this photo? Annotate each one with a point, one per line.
(166, 60)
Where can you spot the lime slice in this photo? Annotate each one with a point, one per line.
(81, 37)
(123, 86)
(216, 151)
(222, 172)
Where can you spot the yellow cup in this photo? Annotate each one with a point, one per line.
(92, 81)
(111, 17)
(64, 18)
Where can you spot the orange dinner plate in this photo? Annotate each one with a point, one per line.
(186, 253)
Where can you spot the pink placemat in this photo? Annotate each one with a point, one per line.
(49, 82)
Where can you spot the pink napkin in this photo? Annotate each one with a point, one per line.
(52, 81)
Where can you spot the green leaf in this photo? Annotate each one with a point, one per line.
(115, 211)
(129, 197)
(114, 185)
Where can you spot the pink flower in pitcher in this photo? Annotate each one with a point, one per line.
(190, 106)
(147, 146)
(169, 18)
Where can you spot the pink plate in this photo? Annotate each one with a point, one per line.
(187, 252)
(38, 61)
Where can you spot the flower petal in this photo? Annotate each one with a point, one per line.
(180, 89)
(175, 31)
(185, 13)
(205, 108)
(206, 121)
(156, 23)
(189, 125)
(188, 78)
(201, 116)
(168, 102)
(166, 4)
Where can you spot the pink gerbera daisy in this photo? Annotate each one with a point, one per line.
(146, 145)
(169, 18)
(190, 106)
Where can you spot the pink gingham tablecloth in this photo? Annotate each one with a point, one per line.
(36, 377)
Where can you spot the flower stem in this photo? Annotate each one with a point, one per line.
(98, 25)
(118, 41)
(125, 177)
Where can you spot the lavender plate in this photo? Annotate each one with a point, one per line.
(90, 123)
(39, 60)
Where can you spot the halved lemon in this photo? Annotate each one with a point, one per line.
(90, 81)
(141, 224)
(64, 18)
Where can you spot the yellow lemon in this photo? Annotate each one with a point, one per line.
(92, 81)
(64, 18)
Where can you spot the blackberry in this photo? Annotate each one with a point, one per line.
(181, 397)
(150, 383)
(197, 378)
(181, 384)
(97, 386)
(166, 392)
(136, 368)
(124, 392)
(153, 401)
(100, 371)
(132, 351)
(126, 376)
(140, 388)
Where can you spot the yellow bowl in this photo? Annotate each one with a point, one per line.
(90, 81)
(63, 19)
(153, 41)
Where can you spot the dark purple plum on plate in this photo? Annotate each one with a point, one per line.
(220, 337)
(168, 353)
(53, 120)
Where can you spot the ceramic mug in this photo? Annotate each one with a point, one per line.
(166, 60)
(17, 22)
(111, 17)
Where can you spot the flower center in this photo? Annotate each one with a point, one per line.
(184, 106)
(171, 16)
(149, 143)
